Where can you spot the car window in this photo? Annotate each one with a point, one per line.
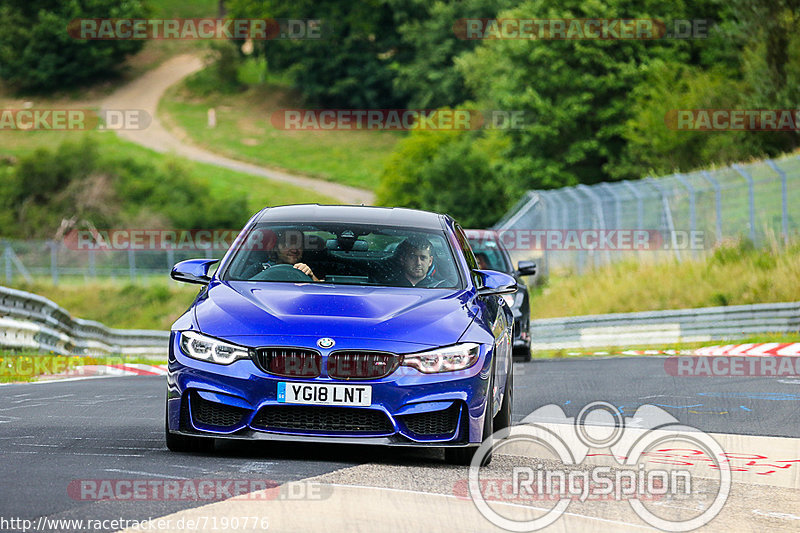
(348, 254)
(489, 255)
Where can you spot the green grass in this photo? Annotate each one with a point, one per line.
(120, 304)
(260, 192)
(734, 274)
(244, 132)
(184, 8)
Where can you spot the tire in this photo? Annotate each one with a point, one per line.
(523, 356)
(184, 443)
(503, 418)
(463, 455)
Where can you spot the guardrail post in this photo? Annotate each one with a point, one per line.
(784, 201)
(601, 221)
(692, 213)
(579, 208)
(639, 203)
(53, 261)
(717, 203)
(92, 265)
(667, 216)
(132, 264)
(617, 203)
(555, 198)
(9, 266)
(751, 193)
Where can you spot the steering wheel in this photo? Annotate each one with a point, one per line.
(281, 273)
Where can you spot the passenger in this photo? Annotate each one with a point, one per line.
(483, 260)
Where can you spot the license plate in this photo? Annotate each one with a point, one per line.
(324, 394)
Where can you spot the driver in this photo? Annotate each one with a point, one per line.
(289, 251)
(416, 258)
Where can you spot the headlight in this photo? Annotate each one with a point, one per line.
(514, 299)
(456, 357)
(204, 348)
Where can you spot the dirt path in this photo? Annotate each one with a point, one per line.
(145, 92)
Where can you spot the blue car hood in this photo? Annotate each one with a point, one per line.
(429, 317)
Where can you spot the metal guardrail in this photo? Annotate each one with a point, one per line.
(663, 327)
(32, 322)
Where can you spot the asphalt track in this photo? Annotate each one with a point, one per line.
(55, 434)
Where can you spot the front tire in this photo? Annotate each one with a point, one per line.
(503, 418)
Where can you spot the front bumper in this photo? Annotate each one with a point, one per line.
(409, 408)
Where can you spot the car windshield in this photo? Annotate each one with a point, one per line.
(489, 255)
(347, 254)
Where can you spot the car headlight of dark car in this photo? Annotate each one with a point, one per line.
(514, 300)
(205, 348)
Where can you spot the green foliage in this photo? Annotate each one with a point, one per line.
(429, 75)
(38, 54)
(446, 172)
(654, 145)
(575, 92)
(76, 180)
(735, 273)
(222, 77)
(350, 66)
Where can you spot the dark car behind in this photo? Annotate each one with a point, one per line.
(489, 248)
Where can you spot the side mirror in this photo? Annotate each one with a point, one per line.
(193, 271)
(526, 268)
(493, 282)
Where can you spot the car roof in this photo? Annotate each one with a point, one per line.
(357, 214)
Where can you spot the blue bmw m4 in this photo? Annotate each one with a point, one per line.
(343, 324)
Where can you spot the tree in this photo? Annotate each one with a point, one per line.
(350, 66)
(37, 53)
(429, 74)
(450, 172)
(575, 93)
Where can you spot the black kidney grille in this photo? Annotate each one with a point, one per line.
(215, 414)
(290, 362)
(323, 418)
(362, 365)
(435, 423)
